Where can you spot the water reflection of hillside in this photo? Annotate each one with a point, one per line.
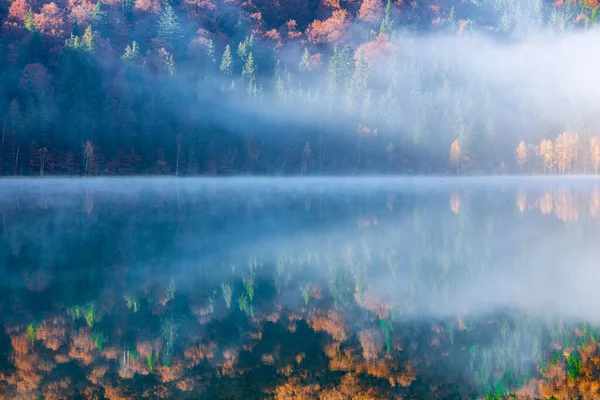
(298, 292)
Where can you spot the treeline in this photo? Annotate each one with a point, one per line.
(188, 88)
(570, 153)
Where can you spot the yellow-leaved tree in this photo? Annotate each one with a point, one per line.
(455, 154)
(595, 153)
(521, 155)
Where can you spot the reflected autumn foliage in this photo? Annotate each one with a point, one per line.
(322, 319)
(564, 203)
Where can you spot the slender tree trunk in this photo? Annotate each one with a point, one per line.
(17, 159)
(43, 159)
(177, 163)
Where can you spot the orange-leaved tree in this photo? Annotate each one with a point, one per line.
(455, 154)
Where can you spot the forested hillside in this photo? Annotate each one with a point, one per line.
(190, 87)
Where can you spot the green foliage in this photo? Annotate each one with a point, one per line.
(29, 22)
(305, 61)
(226, 66)
(245, 48)
(385, 328)
(84, 43)
(168, 27)
(305, 290)
(86, 311)
(249, 286)
(387, 25)
(249, 71)
(342, 287)
(132, 303)
(150, 362)
(170, 65)
(131, 52)
(99, 340)
(90, 314)
(243, 303)
(227, 293)
(340, 70)
(88, 40)
(74, 312)
(574, 365)
(32, 329)
(98, 15)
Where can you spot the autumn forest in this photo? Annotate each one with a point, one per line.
(194, 87)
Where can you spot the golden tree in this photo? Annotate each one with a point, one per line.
(455, 154)
(521, 155)
(565, 149)
(547, 153)
(595, 153)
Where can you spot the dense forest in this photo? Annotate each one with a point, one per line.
(189, 87)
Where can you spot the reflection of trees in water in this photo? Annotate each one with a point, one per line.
(567, 203)
(208, 287)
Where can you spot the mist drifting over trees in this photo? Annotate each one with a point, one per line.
(316, 87)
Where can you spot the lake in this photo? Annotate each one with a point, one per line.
(299, 288)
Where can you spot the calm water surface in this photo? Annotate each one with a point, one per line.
(294, 288)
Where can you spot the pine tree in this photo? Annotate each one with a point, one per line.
(245, 48)
(226, 66)
(209, 56)
(88, 40)
(387, 25)
(29, 21)
(249, 70)
(98, 15)
(168, 27)
(170, 65)
(279, 85)
(361, 82)
(131, 52)
(305, 61)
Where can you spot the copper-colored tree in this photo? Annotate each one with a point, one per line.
(547, 153)
(331, 30)
(50, 20)
(521, 155)
(370, 11)
(595, 153)
(455, 154)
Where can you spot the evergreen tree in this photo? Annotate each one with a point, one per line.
(88, 40)
(98, 15)
(245, 48)
(170, 64)
(249, 71)
(305, 61)
(341, 67)
(279, 85)
(360, 81)
(387, 25)
(168, 27)
(29, 21)
(209, 57)
(226, 66)
(131, 52)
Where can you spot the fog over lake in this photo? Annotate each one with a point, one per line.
(501, 268)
